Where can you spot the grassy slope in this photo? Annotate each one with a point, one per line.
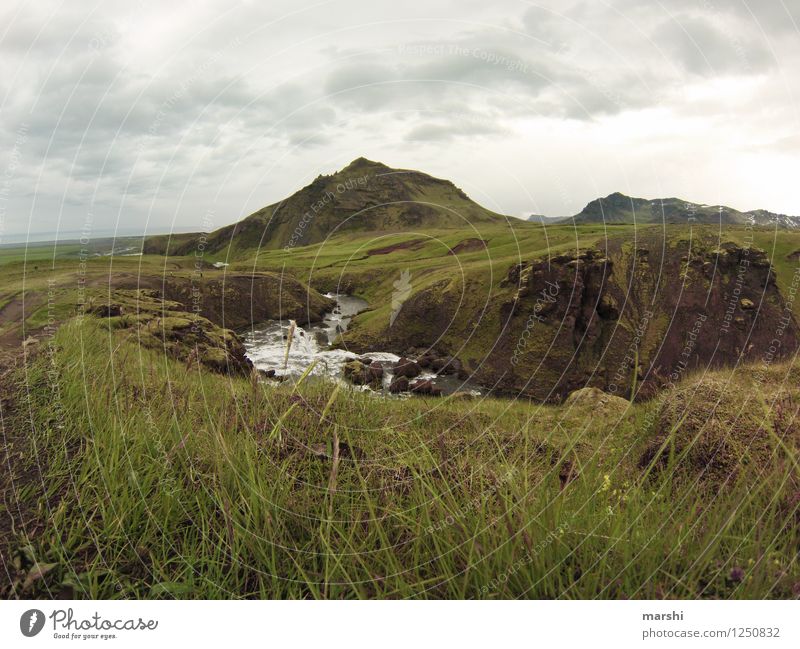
(341, 262)
(468, 285)
(212, 497)
(36, 290)
(332, 263)
(163, 482)
(41, 287)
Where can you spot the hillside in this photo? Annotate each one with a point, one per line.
(311, 490)
(148, 417)
(631, 313)
(368, 197)
(476, 280)
(619, 208)
(365, 196)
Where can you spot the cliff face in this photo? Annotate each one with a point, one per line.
(640, 319)
(238, 300)
(630, 319)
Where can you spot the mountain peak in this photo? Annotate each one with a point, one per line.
(365, 196)
(361, 163)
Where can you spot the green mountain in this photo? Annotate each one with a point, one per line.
(365, 196)
(619, 208)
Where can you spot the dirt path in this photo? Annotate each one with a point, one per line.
(21, 481)
(11, 318)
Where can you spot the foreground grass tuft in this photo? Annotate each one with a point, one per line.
(166, 480)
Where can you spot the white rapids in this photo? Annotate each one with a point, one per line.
(266, 347)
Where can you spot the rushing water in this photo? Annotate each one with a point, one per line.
(266, 347)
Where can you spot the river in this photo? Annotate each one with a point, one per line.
(266, 347)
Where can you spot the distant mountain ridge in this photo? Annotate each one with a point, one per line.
(368, 196)
(619, 208)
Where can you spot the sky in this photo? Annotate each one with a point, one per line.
(148, 116)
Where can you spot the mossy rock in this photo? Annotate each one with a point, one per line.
(215, 358)
(174, 323)
(597, 401)
(714, 432)
(359, 373)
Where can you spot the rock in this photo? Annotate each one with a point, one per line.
(597, 401)
(267, 374)
(354, 372)
(407, 368)
(446, 365)
(398, 384)
(426, 387)
(462, 396)
(375, 370)
(107, 310)
(216, 358)
(360, 374)
(607, 308)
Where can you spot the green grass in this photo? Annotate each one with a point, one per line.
(162, 480)
(168, 481)
(36, 253)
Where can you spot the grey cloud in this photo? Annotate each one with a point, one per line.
(147, 120)
(773, 16)
(706, 48)
(446, 132)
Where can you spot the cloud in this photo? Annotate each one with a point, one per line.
(454, 126)
(704, 48)
(154, 111)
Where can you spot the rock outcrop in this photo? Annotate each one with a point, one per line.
(237, 301)
(164, 326)
(628, 319)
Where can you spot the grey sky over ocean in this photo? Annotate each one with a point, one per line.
(146, 115)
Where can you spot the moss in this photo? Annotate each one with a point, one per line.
(717, 431)
(214, 357)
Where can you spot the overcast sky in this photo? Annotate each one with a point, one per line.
(149, 115)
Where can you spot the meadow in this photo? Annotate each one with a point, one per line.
(161, 480)
(133, 474)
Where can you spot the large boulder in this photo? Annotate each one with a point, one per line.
(407, 368)
(359, 373)
(375, 370)
(425, 387)
(399, 384)
(597, 401)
